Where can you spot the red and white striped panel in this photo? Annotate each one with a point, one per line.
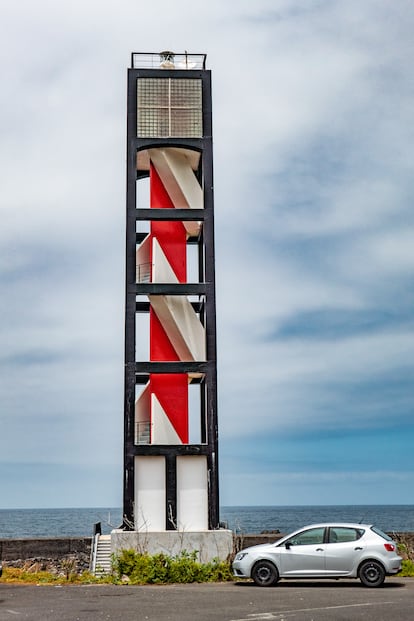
(176, 333)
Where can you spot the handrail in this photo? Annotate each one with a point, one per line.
(94, 552)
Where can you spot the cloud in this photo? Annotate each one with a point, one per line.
(313, 151)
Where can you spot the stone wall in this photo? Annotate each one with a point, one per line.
(55, 554)
(245, 541)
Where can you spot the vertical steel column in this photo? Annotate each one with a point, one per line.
(130, 308)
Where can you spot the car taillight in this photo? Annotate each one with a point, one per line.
(390, 547)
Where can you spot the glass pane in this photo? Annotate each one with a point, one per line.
(308, 537)
(153, 92)
(186, 93)
(341, 535)
(153, 123)
(186, 123)
(169, 107)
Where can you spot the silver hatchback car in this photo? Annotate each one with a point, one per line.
(322, 551)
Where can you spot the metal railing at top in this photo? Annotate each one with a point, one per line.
(167, 60)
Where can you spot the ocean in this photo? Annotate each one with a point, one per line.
(15, 523)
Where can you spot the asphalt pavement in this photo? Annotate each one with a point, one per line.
(288, 601)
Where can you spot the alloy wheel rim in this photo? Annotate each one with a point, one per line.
(372, 573)
(264, 574)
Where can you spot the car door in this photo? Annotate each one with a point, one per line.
(343, 550)
(304, 553)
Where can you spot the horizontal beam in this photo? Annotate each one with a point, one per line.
(170, 449)
(190, 240)
(190, 215)
(197, 144)
(168, 288)
(145, 368)
(143, 378)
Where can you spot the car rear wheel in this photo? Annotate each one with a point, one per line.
(371, 574)
(265, 574)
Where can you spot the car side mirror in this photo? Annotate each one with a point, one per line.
(288, 545)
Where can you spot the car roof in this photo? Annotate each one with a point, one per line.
(333, 524)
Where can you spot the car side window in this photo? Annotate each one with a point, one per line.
(307, 537)
(340, 534)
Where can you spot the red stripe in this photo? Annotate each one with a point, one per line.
(171, 390)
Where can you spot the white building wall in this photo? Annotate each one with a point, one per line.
(149, 493)
(192, 496)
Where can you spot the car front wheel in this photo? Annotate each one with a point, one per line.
(371, 574)
(265, 574)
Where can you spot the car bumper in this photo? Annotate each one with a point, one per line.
(241, 570)
(394, 567)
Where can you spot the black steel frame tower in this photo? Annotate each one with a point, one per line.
(201, 294)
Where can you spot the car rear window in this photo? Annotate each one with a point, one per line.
(379, 532)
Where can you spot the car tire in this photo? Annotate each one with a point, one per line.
(265, 574)
(371, 574)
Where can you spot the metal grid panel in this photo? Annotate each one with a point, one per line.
(169, 107)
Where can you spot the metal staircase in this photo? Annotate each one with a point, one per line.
(101, 561)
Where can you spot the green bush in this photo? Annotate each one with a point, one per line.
(159, 568)
(407, 569)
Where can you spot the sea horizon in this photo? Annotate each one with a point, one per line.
(81, 521)
(366, 504)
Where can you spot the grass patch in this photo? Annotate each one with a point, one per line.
(14, 575)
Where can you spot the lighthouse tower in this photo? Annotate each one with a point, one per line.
(170, 416)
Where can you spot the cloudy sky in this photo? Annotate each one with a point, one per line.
(313, 157)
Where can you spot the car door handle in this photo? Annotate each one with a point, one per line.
(359, 548)
(319, 549)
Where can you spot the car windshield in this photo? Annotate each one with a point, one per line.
(379, 532)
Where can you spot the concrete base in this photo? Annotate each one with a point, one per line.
(211, 544)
